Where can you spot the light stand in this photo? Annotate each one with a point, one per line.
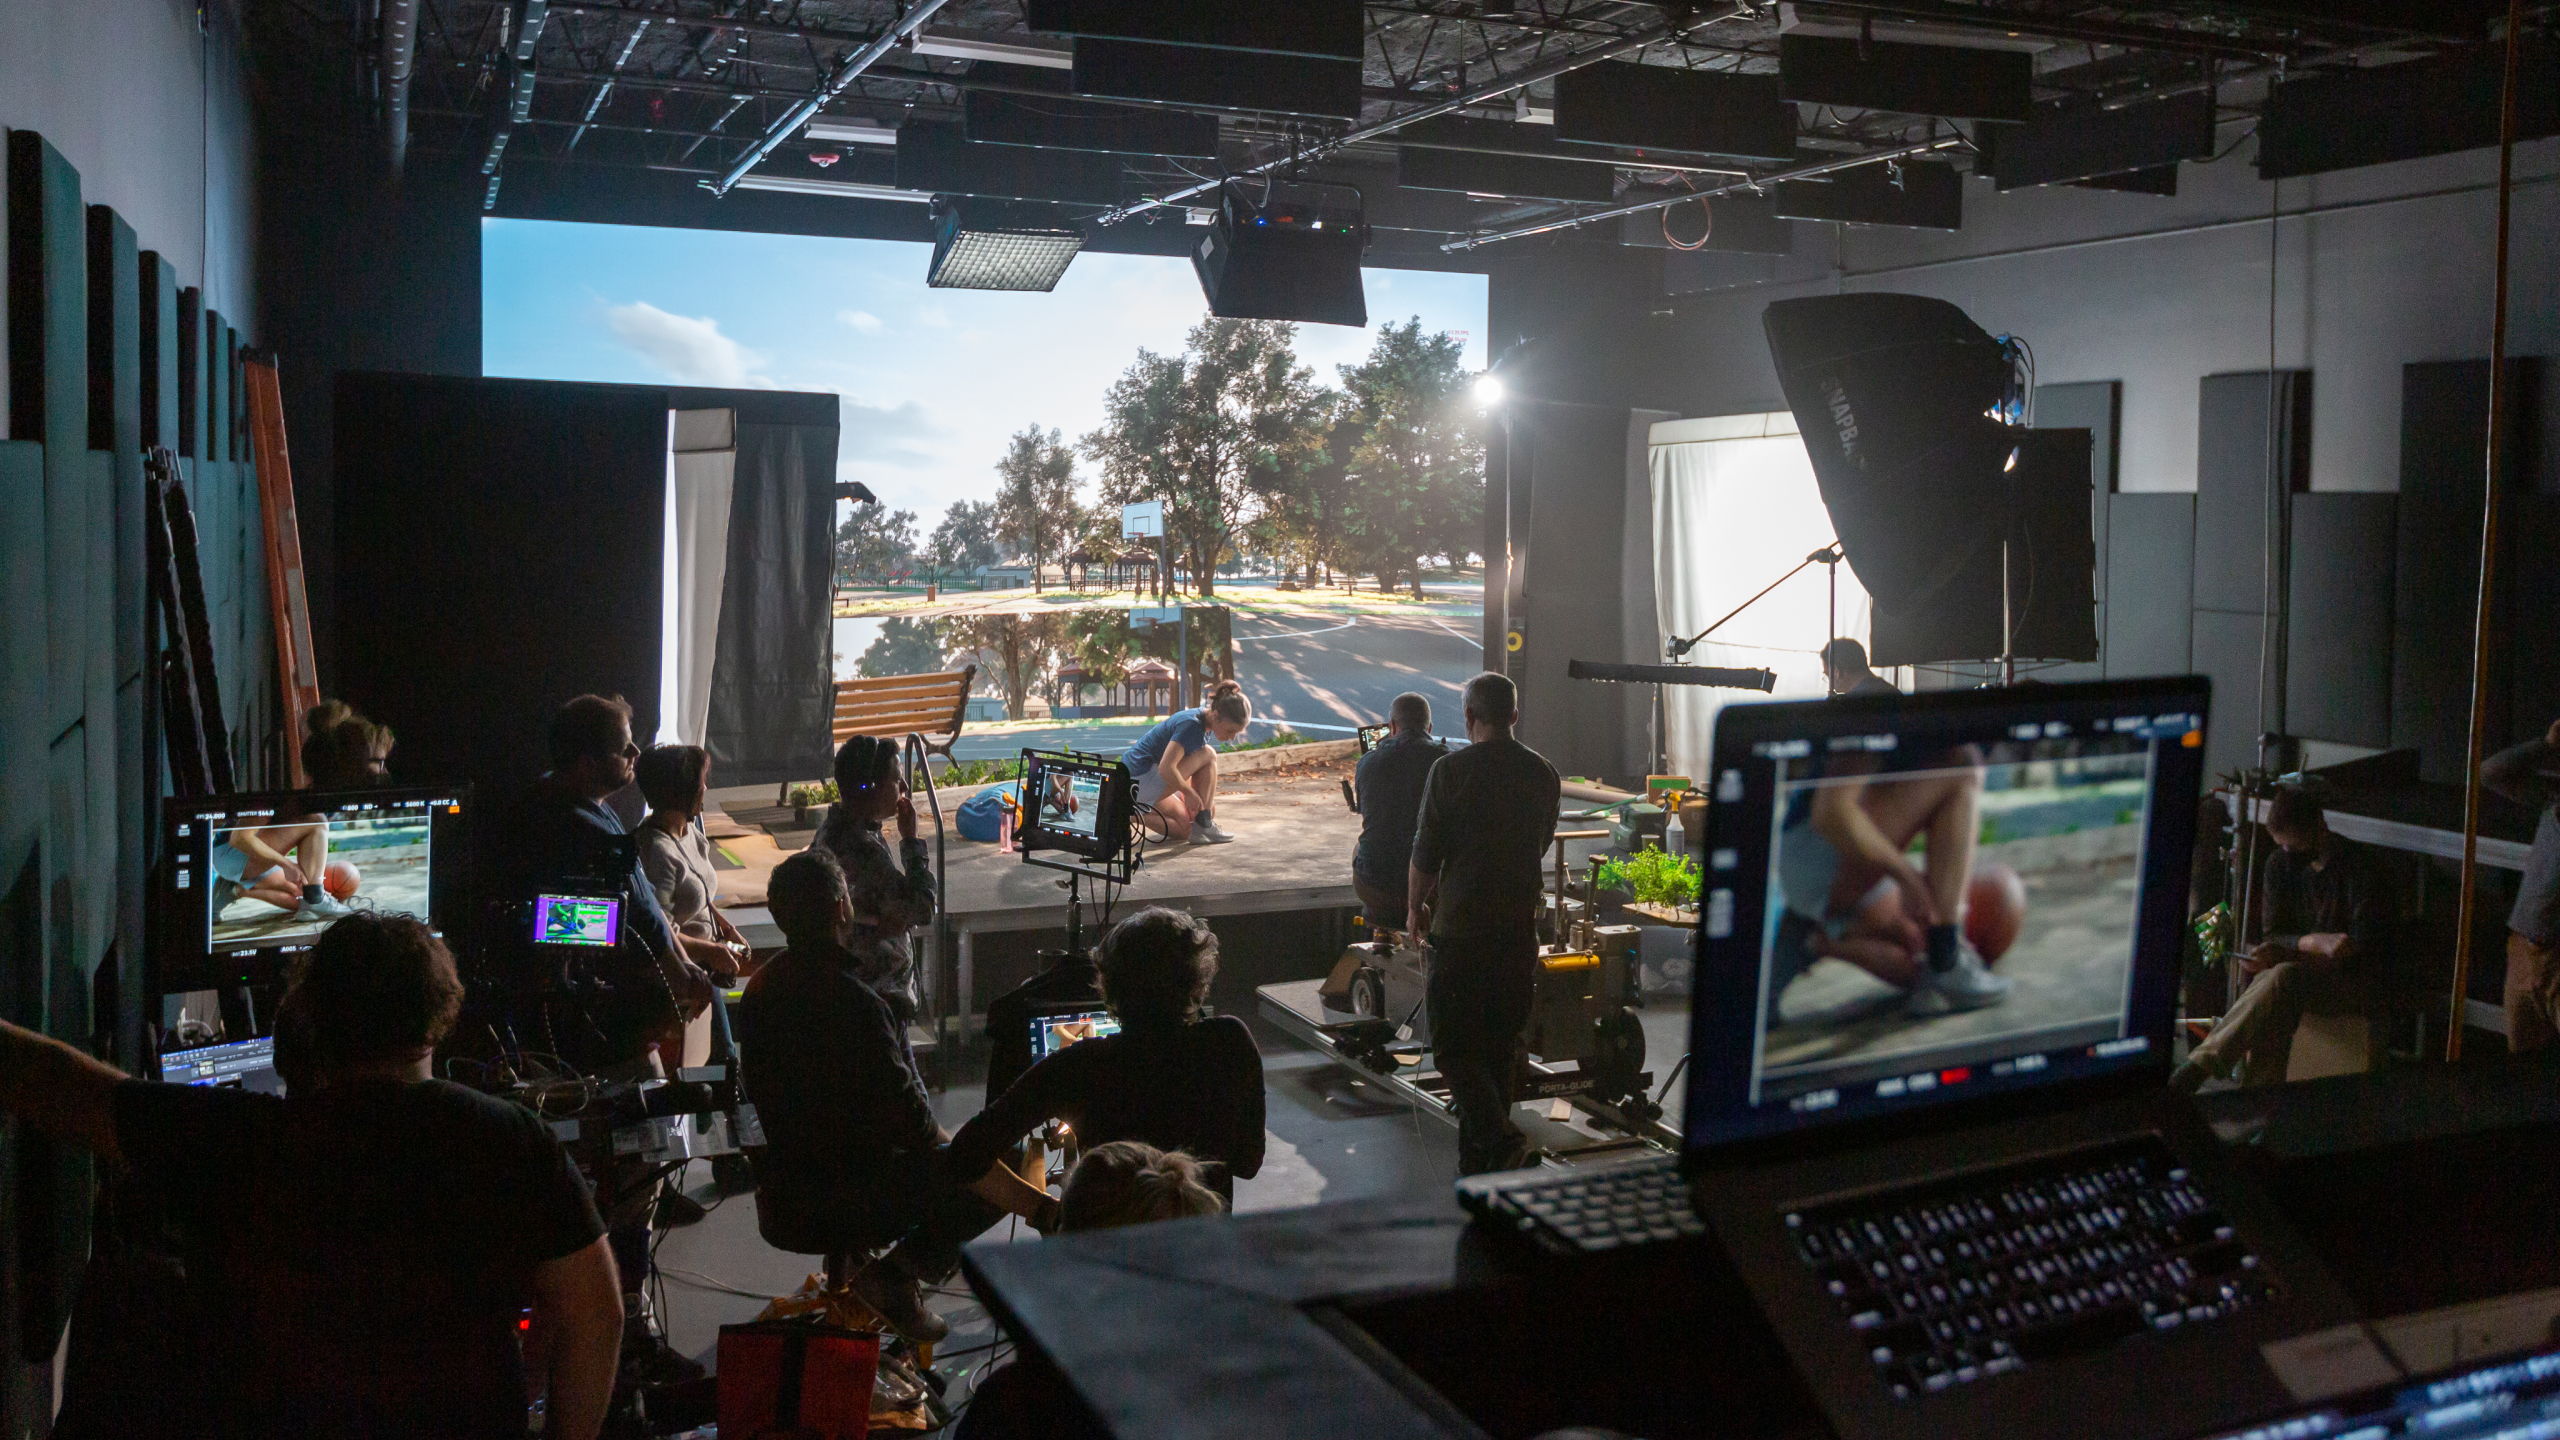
(1829, 555)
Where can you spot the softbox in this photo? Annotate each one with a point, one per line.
(2042, 527)
(1893, 394)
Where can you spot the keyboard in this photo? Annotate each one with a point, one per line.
(1978, 1275)
(1587, 1211)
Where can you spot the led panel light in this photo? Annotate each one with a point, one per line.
(852, 132)
(988, 247)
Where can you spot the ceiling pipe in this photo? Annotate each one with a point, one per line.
(399, 65)
(836, 83)
(1801, 172)
(620, 59)
(1655, 34)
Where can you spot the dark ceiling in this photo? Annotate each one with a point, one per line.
(686, 89)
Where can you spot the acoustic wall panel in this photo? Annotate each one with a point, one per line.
(1324, 28)
(1660, 108)
(2227, 650)
(938, 158)
(2150, 578)
(2432, 106)
(1919, 194)
(2338, 618)
(2096, 406)
(1055, 122)
(157, 310)
(2239, 513)
(24, 735)
(2092, 141)
(49, 395)
(190, 364)
(1744, 223)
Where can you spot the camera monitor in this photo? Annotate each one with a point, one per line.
(251, 879)
(584, 920)
(235, 1065)
(1080, 804)
(1055, 1027)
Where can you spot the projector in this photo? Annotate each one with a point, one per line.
(1284, 253)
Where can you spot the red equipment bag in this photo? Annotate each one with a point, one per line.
(795, 1380)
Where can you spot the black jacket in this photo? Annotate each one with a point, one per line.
(1195, 1087)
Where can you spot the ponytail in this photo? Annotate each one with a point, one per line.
(1128, 1182)
(1226, 701)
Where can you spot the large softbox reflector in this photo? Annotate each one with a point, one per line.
(1893, 394)
(2049, 603)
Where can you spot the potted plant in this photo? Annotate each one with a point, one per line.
(1610, 888)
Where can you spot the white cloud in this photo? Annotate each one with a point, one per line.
(691, 351)
(862, 320)
(892, 435)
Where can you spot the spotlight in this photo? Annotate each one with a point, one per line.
(988, 245)
(1488, 390)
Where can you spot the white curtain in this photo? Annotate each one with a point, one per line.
(702, 465)
(1734, 508)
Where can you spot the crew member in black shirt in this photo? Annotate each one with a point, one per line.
(2322, 912)
(1488, 815)
(1389, 783)
(358, 1249)
(851, 1146)
(1169, 1079)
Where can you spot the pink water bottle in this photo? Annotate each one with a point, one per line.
(1004, 830)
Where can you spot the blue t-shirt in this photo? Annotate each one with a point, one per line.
(1189, 728)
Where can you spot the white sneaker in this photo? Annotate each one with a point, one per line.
(1967, 985)
(1206, 832)
(327, 907)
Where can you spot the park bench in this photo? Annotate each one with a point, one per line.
(895, 706)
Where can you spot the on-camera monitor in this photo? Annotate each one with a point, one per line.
(2047, 828)
(1054, 1031)
(1076, 804)
(253, 878)
(594, 920)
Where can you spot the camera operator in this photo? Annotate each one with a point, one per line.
(1389, 781)
(607, 1011)
(359, 1249)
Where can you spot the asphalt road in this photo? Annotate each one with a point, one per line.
(1324, 675)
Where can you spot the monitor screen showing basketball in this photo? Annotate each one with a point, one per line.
(576, 919)
(1078, 804)
(254, 877)
(1053, 1033)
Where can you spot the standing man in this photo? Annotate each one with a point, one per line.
(1389, 783)
(2529, 774)
(2322, 915)
(1474, 887)
(1844, 663)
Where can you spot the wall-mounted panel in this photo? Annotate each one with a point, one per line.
(2150, 576)
(2338, 619)
(49, 395)
(1648, 109)
(2228, 649)
(2239, 516)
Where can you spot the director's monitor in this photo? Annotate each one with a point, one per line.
(2050, 824)
(232, 907)
(1078, 805)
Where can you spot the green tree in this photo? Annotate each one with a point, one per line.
(905, 647)
(968, 539)
(1416, 474)
(1036, 497)
(1018, 651)
(1209, 432)
(876, 543)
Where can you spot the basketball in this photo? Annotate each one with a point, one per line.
(340, 879)
(1995, 906)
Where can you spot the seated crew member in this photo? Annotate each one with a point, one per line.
(2322, 909)
(851, 1142)
(1389, 782)
(676, 856)
(1475, 886)
(2529, 774)
(1175, 764)
(892, 894)
(1168, 1078)
(359, 1250)
(1853, 894)
(280, 865)
(1122, 1183)
(342, 750)
(1844, 664)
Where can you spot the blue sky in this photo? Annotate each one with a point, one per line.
(932, 381)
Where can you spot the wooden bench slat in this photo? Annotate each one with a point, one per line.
(952, 691)
(928, 721)
(945, 711)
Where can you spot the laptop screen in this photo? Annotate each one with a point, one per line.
(239, 1065)
(1917, 900)
(2514, 1399)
